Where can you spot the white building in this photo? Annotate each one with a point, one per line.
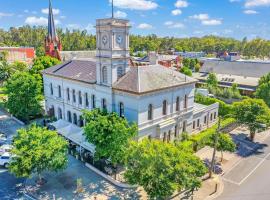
(158, 99)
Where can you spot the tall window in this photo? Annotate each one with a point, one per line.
(150, 112)
(121, 109)
(86, 100)
(186, 102)
(164, 108)
(52, 111)
(205, 119)
(104, 74)
(51, 88)
(198, 122)
(184, 126)
(93, 99)
(104, 104)
(75, 120)
(68, 94)
(74, 96)
(194, 124)
(120, 72)
(215, 115)
(59, 113)
(59, 91)
(80, 97)
(177, 104)
(81, 121)
(69, 116)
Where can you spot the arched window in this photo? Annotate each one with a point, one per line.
(52, 111)
(68, 95)
(120, 72)
(104, 74)
(60, 113)
(69, 116)
(121, 109)
(93, 99)
(150, 112)
(59, 91)
(80, 97)
(104, 104)
(177, 104)
(75, 120)
(51, 88)
(74, 96)
(164, 108)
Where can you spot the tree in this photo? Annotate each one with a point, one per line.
(253, 113)
(5, 71)
(263, 90)
(162, 168)
(109, 133)
(43, 62)
(18, 66)
(37, 150)
(24, 95)
(212, 80)
(186, 71)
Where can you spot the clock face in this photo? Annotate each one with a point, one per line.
(119, 39)
(104, 39)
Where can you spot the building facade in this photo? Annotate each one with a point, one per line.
(160, 100)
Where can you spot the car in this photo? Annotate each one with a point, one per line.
(3, 139)
(5, 159)
(5, 148)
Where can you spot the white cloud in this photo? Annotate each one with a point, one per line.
(176, 12)
(63, 17)
(181, 4)
(232, 1)
(39, 21)
(46, 11)
(90, 28)
(200, 17)
(135, 4)
(120, 14)
(250, 12)
(26, 11)
(6, 14)
(211, 22)
(73, 26)
(256, 3)
(171, 24)
(145, 26)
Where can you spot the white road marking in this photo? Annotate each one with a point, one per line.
(230, 181)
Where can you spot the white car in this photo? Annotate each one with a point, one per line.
(6, 148)
(5, 160)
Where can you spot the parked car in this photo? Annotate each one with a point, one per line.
(6, 148)
(5, 159)
(3, 139)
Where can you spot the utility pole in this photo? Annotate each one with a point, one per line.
(215, 149)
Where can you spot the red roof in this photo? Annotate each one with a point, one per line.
(30, 51)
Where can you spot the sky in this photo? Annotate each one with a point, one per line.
(177, 18)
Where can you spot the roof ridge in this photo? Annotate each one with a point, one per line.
(63, 65)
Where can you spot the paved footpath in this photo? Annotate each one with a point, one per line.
(249, 179)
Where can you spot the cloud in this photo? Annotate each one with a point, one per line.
(135, 4)
(73, 26)
(46, 11)
(6, 14)
(250, 12)
(200, 17)
(256, 3)
(233, 1)
(176, 12)
(39, 21)
(145, 26)
(120, 14)
(211, 22)
(171, 24)
(90, 28)
(181, 4)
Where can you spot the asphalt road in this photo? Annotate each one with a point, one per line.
(250, 178)
(10, 186)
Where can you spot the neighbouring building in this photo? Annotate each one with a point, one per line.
(53, 44)
(244, 73)
(158, 99)
(23, 54)
(191, 54)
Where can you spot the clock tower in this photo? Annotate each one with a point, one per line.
(112, 50)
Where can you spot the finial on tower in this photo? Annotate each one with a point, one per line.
(112, 10)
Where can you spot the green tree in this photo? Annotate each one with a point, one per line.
(252, 113)
(37, 150)
(186, 71)
(41, 63)
(109, 133)
(24, 95)
(263, 90)
(212, 80)
(5, 71)
(162, 168)
(19, 66)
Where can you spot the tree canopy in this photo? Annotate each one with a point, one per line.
(253, 113)
(162, 168)
(212, 80)
(37, 150)
(43, 62)
(24, 95)
(263, 90)
(109, 133)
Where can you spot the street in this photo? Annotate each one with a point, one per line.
(250, 178)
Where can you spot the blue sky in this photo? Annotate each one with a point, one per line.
(178, 18)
